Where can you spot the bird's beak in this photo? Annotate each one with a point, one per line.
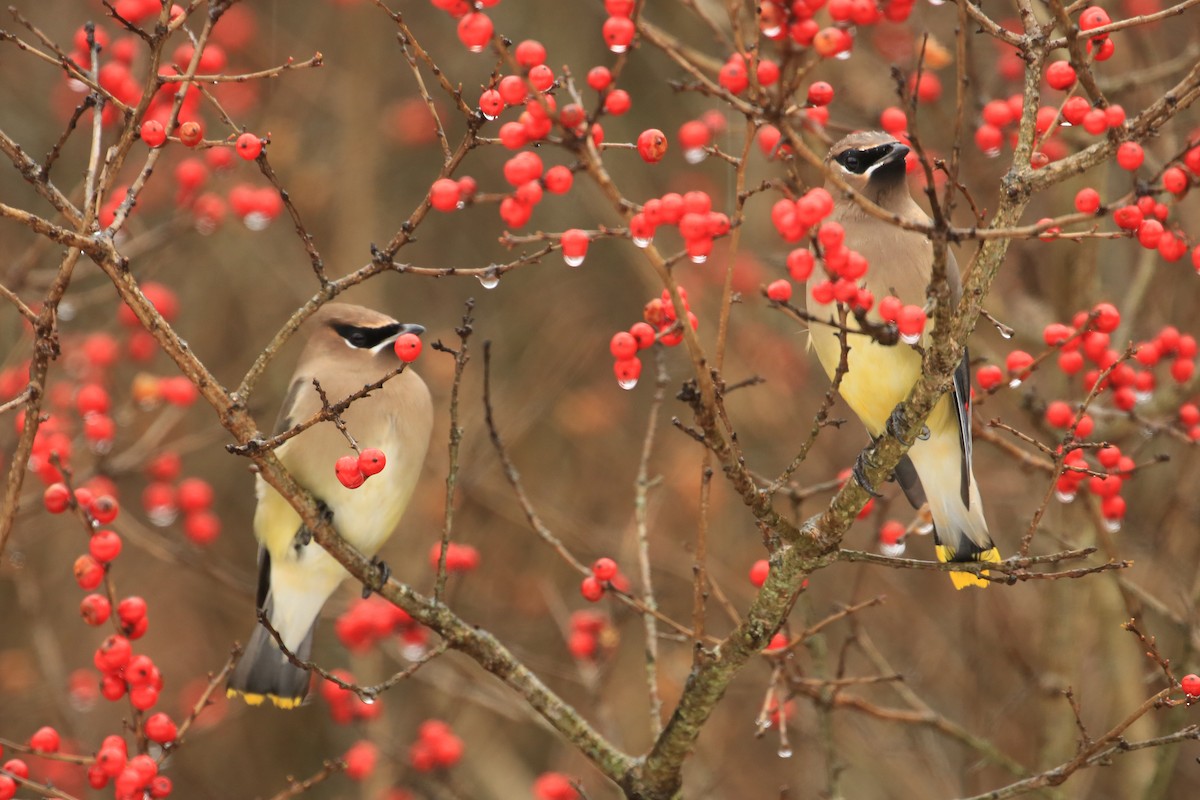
(899, 152)
(411, 327)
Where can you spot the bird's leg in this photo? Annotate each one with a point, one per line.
(382, 573)
(304, 534)
(895, 426)
(859, 471)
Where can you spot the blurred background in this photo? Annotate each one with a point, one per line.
(353, 144)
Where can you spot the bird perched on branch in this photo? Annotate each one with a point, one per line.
(937, 468)
(348, 348)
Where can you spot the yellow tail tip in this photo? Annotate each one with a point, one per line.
(962, 580)
(253, 699)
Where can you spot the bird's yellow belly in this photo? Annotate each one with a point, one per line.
(878, 377)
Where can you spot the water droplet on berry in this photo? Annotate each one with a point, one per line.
(1065, 497)
(642, 243)
(936, 2)
(368, 700)
(695, 155)
(892, 550)
(573, 261)
(162, 516)
(699, 259)
(924, 529)
(785, 752)
(489, 279)
(627, 384)
(772, 31)
(910, 338)
(992, 153)
(1112, 525)
(616, 48)
(487, 116)
(412, 652)
(256, 221)
(843, 56)
(1014, 383)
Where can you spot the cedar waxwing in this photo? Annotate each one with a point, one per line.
(349, 347)
(937, 468)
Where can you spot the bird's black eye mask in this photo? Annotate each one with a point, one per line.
(366, 338)
(859, 161)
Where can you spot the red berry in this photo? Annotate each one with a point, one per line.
(95, 609)
(191, 133)
(617, 102)
(1107, 317)
(248, 146)
(360, 760)
(371, 461)
(1093, 17)
(56, 498)
(530, 53)
(733, 76)
(618, 33)
(894, 120)
(1130, 155)
(491, 103)
(591, 588)
(623, 345)
(627, 371)
(574, 246)
(1128, 218)
(1087, 201)
(1175, 180)
(1018, 362)
(1060, 75)
(408, 347)
(800, 264)
(1190, 685)
(112, 654)
(131, 611)
(780, 291)
(556, 786)
(990, 376)
(153, 133)
(652, 145)
(45, 740)
(346, 469)
(160, 728)
(820, 94)
(599, 78)
(88, 572)
(643, 333)
(104, 546)
(542, 77)
(1059, 414)
(444, 194)
(475, 31)
(558, 179)
(759, 572)
(911, 322)
(891, 532)
(605, 569)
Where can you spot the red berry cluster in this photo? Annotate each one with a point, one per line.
(692, 213)
(696, 134)
(436, 747)
(360, 760)
(554, 786)
(368, 622)
(797, 21)
(166, 496)
(353, 471)
(346, 706)
(591, 633)
(133, 777)
(459, 557)
(604, 574)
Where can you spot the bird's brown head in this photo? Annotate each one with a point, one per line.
(872, 162)
(355, 332)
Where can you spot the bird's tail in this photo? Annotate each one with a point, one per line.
(265, 673)
(960, 529)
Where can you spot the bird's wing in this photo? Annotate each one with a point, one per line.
(286, 418)
(906, 476)
(961, 393)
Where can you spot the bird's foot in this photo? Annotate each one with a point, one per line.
(859, 471)
(304, 534)
(382, 573)
(895, 427)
